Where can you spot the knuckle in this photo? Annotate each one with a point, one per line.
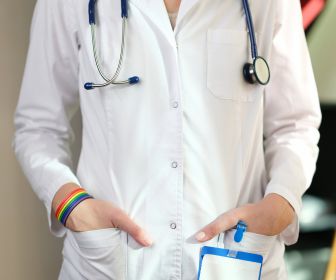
(215, 228)
(232, 219)
(136, 232)
(116, 211)
(115, 215)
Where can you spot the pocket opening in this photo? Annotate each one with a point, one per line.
(97, 238)
(100, 253)
(251, 242)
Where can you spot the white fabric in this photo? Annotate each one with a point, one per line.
(216, 267)
(192, 107)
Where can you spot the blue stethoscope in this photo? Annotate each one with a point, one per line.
(256, 72)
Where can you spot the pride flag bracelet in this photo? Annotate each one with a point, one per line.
(69, 203)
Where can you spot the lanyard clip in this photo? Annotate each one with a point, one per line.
(241, 228)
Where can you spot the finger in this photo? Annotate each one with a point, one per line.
(222, 223)
(124, 222)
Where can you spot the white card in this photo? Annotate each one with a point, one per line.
(221, 264)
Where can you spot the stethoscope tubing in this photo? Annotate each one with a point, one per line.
(112, 80)
(249, 21)
(121, 55)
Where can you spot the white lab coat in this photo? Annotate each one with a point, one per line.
(188, 143)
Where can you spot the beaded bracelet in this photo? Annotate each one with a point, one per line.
(69, 203)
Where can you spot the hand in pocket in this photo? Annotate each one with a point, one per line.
(268, 217)
(94, 214)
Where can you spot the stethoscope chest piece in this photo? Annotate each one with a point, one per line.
(257, 72)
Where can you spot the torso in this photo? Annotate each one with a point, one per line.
(132, 134)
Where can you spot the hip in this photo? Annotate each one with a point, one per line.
(109, 254)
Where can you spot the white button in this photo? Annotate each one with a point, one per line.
(174, 164)
(175, 104)
(173, 226)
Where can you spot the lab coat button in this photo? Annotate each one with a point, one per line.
(174, 164)
(173, 226)
(175, 104)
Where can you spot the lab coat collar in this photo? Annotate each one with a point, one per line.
(155, 10)
(185, 8)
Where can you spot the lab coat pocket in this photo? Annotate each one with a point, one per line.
(268, 246)
(227, 52)
(251, 243)
(102, 253)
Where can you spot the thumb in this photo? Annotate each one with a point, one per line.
(222, 223)
(124, 222)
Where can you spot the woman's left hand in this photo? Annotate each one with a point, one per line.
(270, 216)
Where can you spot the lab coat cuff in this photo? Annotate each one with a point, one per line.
(290, 234)
(54, 185)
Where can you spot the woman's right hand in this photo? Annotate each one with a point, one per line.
(93, 214)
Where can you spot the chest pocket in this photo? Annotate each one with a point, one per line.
(227, 52)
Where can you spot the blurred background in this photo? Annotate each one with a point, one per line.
(312, 258)
(29, 251)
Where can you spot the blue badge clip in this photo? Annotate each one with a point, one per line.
(241, 228)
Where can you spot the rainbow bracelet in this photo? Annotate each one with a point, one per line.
(69, 203)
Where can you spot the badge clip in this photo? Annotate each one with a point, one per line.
(241, 228)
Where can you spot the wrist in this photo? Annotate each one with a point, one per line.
(69, 203)
(278, 201)
(62, 193)
(282, 209)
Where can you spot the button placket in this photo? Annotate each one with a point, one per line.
(175, 224)
(175, 104)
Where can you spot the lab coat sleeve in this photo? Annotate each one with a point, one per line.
(292, 114)
(48, 99)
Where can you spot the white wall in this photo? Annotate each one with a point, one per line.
(27, 249)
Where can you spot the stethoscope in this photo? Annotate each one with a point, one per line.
(256, 72)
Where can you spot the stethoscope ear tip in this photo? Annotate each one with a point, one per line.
(133, 80)
(88, 86)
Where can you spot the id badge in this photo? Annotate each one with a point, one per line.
(217, 263)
